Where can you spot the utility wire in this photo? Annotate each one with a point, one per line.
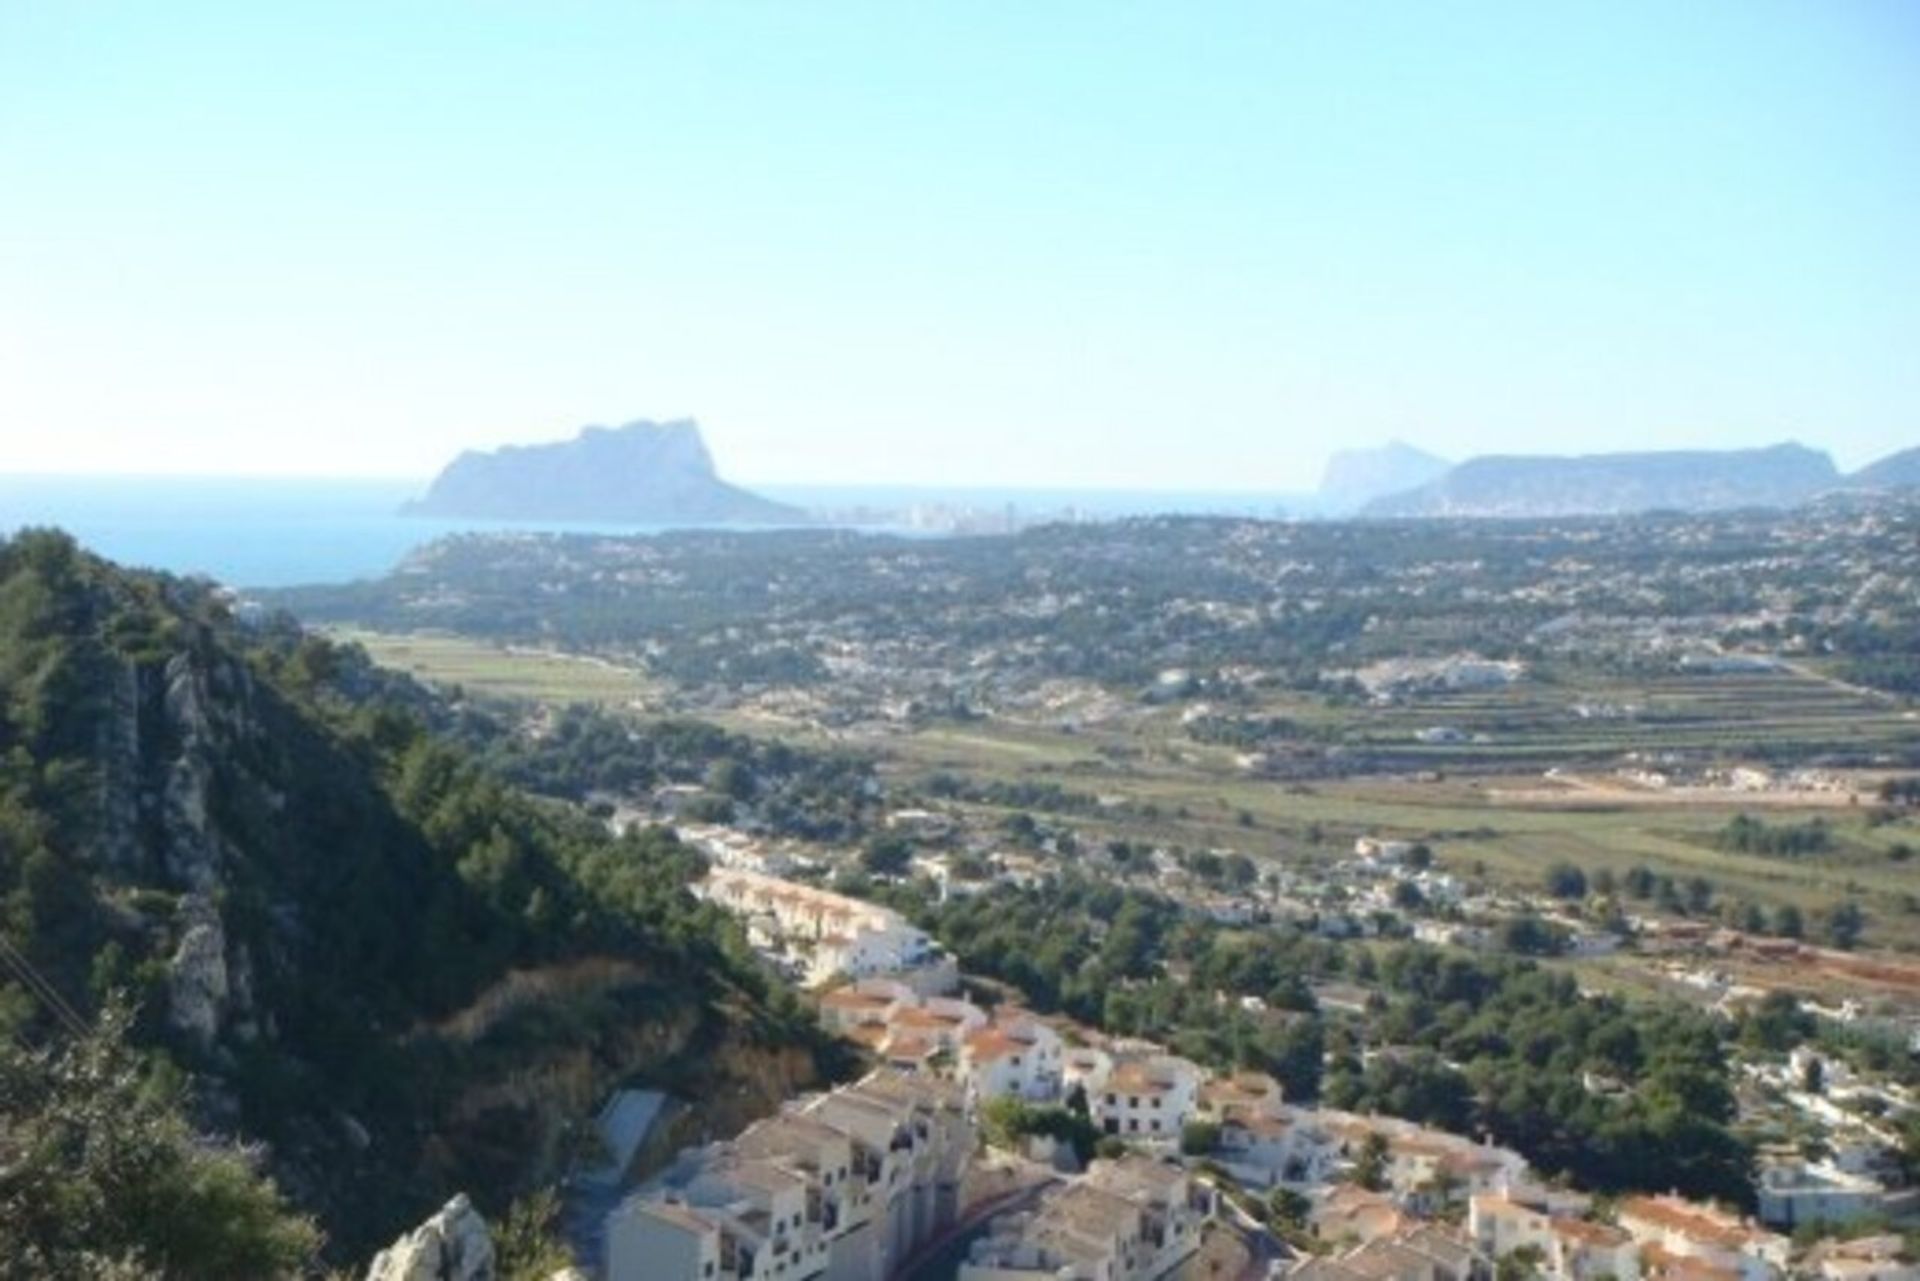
(38, 985)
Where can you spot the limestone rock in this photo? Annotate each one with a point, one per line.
(454, 1245)
(197, 980)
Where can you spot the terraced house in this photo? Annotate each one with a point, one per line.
(1133, 1219)
(843, 1186)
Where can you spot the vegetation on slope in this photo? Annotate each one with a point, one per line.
(315, 903)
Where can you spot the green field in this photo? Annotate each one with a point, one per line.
(1200, 798)
(1164, 787)
(484, 669)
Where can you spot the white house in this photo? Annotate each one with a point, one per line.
(1017, 1055)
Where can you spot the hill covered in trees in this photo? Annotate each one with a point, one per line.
(244, 882)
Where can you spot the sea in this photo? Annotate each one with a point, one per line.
(281, 531)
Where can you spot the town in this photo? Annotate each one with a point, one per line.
(1030, 1145)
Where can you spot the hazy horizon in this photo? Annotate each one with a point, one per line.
(1078, 247)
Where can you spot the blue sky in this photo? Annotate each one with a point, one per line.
(1178, 245)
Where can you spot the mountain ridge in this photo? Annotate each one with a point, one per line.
(1551, 485)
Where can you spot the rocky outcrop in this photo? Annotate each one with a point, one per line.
(643, 473)
(454, 1245)
(198, 984)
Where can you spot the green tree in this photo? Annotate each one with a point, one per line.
(886, 856)
(527, 1244)
(102, 1170)
(1370, 1164)
(1197, 1138)
(1566, 880)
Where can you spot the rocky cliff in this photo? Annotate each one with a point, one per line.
(643, 473)
(394, 975)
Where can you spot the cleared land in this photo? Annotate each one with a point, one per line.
(482, 668)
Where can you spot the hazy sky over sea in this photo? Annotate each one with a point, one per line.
(1106, 244)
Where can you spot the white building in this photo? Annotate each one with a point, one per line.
(1795, 1192)
(840, 1187)
(1146, 1098)
(1017, 1055)
(1133, 1219)
(1571, 1248)
(826, 936)
(1876, 1258)
(1680, 1238)
(1425, 1252)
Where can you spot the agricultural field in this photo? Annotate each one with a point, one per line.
(491, 670)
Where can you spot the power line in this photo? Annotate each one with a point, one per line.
(38, 985)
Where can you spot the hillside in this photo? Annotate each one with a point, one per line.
(1619, 484)
(1895, 471)
(642, 473)
(401, 976)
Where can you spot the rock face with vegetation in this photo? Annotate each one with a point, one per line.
(642, 473)
(453, 1245)
(358, 960)
(1619, 484)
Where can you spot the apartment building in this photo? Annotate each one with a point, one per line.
(1570, 1248)
(1418, 1253)
(1016, 1056)
(1133, 1219)
(1683, 1240)
(842, 1186)
(1143, 1098)
(822, 936)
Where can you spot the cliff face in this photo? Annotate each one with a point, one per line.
(1619, 484)
(398, 977)
(642, 473)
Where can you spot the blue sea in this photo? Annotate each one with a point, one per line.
(280, 531)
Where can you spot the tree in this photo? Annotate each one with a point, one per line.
(1197, 1138)
(102, 1172)
(1844, 925)
(886, 856)
(1521, 1264)
(1370, 1166)
(1788, 922)
(1528, 935)
(1565, 880)
(527, 1243)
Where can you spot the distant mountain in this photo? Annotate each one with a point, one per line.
(644, 473)
(1895, 471)
(1619, 484)
(1355, 477)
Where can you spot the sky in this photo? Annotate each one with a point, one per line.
(1178, 245)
